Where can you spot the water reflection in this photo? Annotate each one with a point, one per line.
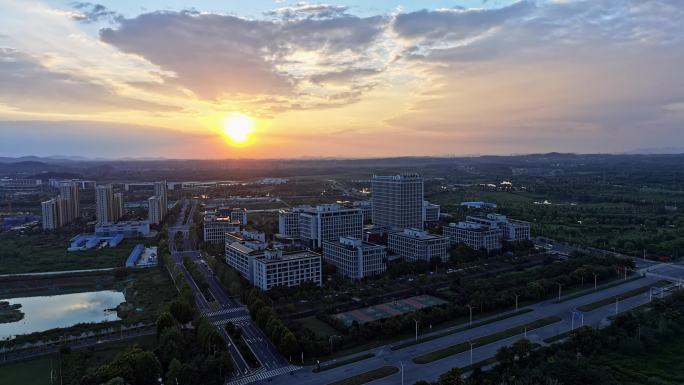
(49, 312)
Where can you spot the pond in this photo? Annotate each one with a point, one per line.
(59, 311)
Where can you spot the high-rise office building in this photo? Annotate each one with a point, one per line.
(69, 192)
(398, 201)
(108, 205)
(154, 210)
(161, 191)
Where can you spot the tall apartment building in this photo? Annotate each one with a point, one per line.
(154, 210)
(416, 245)
(108, 205)
(474, 235)
(398, 201)
(52, 213)
(161, 192)
(355, 258)
(69, 192)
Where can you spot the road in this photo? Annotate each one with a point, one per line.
(414, 372)
(220, 308)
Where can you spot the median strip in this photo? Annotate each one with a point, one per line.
(599, 288)
(461, 329)
(464, 346)
(337, 364)
(628, 294)
(367, 377)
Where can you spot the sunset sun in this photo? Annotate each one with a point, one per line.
(237, 127)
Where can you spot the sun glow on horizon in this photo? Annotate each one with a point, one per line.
(237, 128)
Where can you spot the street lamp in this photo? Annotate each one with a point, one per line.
(417, 322)
(471, 352)
(402, 372)
(471, 314)
(595, 281)
(559, 290)
(516, 302)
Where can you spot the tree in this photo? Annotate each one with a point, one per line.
(452, 377)
(288, 344)
(182, 311)
(164, 321)
(174, 372)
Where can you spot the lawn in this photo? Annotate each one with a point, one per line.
(664, 367)
(35, 372)
(369, 376)
(337, 364)
(464, 346)
(628, 294)
(74, 364)
(48, 252)
(320, 328)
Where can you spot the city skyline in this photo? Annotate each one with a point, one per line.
(288, 79)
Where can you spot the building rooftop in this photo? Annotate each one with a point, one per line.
(417, 234)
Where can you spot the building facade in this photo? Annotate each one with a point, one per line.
(315, 225)
(430, 212)
(355, 258)
(128, 229)
(69, 192)
(154, 210)
(161, 191)
(397, 201)
(108, 205)
(215, 228)
(417, 245)
(275, 268)
(474, 235)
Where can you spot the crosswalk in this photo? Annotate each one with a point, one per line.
(235, 320)
(224, 311)
(262, 374)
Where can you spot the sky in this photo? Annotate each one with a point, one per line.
(166, 78)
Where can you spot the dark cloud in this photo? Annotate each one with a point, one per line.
(304, 10)
(458, 23)
(217, 55)
(92, 12)
(345, 75)
(28, 84)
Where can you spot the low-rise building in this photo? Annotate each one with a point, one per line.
(474, 235)
(430, 212)
(487, 232)
(128, 229)
(215, 228)
(417, 245)
(355, 258)
(275, 268)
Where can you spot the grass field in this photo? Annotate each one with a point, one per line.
(458, 330)
(664, 367)
(462, 347)
(369, 376)
(631, 293)
(48, 252)
(35, 372)
(320, 328)
(74, 364)
(337, 364)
